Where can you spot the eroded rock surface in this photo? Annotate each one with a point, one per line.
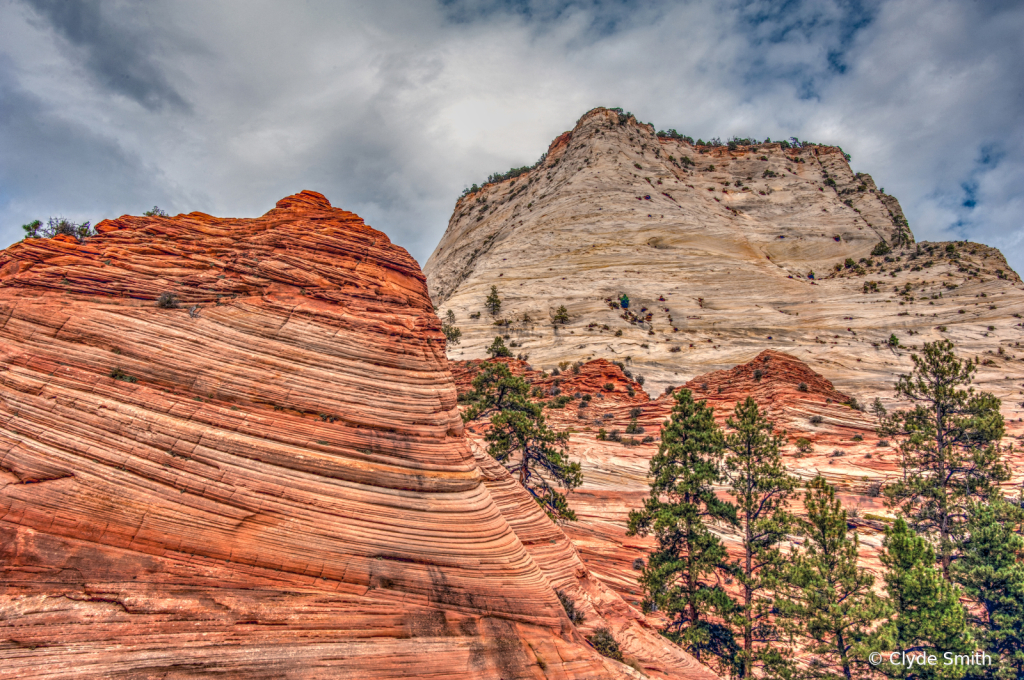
(265, 477)
(714, 253)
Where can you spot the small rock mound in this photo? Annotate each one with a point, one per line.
(770, 377)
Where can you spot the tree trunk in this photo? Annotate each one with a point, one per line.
(748, 596)
(843, 657)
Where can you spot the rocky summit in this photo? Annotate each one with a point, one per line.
(232, 447)
(722, 252)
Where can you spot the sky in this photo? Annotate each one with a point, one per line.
(390, 109)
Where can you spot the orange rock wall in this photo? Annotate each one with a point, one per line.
(267, 481)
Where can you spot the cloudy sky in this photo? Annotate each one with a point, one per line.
(391, 108)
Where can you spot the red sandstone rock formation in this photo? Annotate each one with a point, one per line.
(266, 479)
(615, 476)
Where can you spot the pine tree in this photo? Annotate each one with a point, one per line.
(452, 333)
(681, 578)
(948, 446)
(928, 616)
(498, 348)
(520, 439)
(562, 315)
(991, 571)
(828, 601)
(761, 488)
(493, 302)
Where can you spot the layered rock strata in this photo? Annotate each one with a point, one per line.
(839, 443)
(231, 447)
(715, 249)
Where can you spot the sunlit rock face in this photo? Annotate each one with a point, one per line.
(231, 447)
(715, 253)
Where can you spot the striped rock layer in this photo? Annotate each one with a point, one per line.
(263, 477)
(723, 253)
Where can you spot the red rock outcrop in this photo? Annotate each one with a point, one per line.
(262, 476)
(843, 448)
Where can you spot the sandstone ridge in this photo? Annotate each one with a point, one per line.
(232, 447)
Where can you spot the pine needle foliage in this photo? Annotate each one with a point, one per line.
(682, 577)
(827, 602)
(948, 446)
(927, 613)
(520, 439)
(761, 489)
(991, 571)
(493, 302)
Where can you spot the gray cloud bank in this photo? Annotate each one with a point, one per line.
(391, 108)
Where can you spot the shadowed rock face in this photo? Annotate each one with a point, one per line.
(263, 477)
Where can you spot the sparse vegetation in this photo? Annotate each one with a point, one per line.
(498, 348)
(58, 226)
(167, 301)
(569, 605)
(493, 302)
(605, 644)
(451, 332)
(118, 374)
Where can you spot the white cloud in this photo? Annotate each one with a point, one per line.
(391, 108)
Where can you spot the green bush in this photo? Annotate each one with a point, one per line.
(803, 445)
(881, 248)
(118, 374)
(498, 349)
(609, 387)
(57, 226)
(167, 300)
(605, 644)
(569, 605)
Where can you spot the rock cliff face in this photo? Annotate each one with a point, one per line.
(714, 248)
(231, 447)
(749, 272)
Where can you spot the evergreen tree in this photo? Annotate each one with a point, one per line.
(562, 315)
(761, 488)
(495, 389)
(498, 348)
(520, 439)
(681, 576)
(928, 616)
(991, 570)
(493, 302)
(452, 333)
(948, 446)
(829, 602)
